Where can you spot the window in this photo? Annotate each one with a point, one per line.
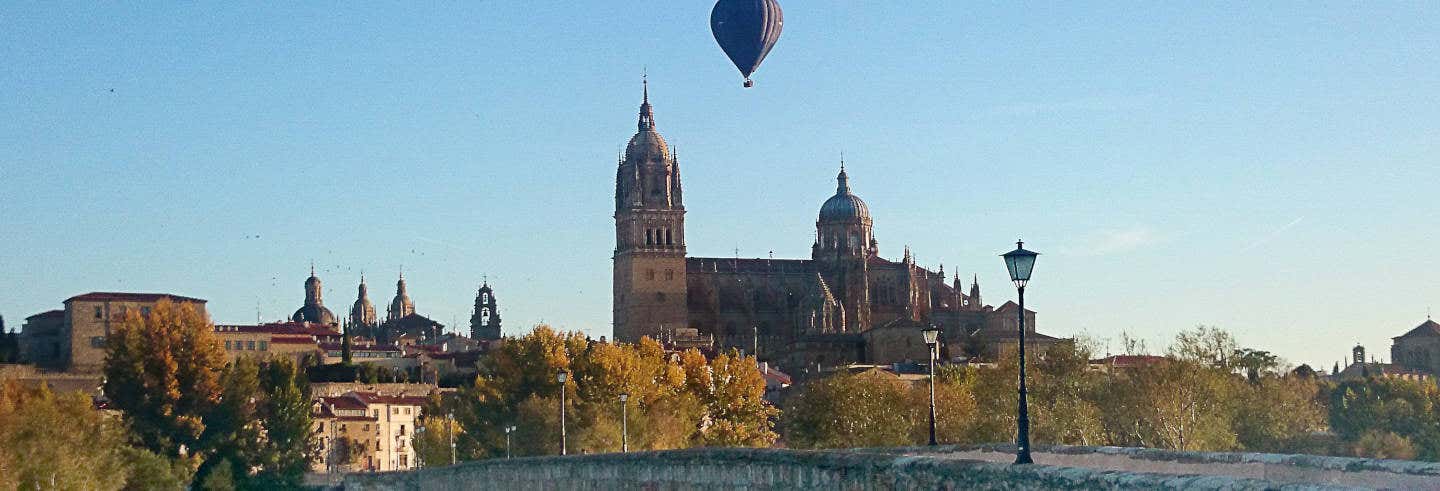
(366, 427)
(402, 430)
(669, 274)
(227, 344)
(342, 428)
(650, 274)
(485, 298)
(668, 240)
(145, 311)
(250, 345)
(394, 410)
(264, 346)
(404, 460)
(649, 237)
(98, 314)
(377, 413)
(97, 342)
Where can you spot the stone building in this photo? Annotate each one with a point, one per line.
(794, 312)
(377, 431)
(73, 339)
(1419, 348)
(401, 306)
(485, 319)
(42, 340)
(362, 313)
(314, 310)
(293, 340)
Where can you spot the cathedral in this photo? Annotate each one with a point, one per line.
(845, 304)
(400, 317)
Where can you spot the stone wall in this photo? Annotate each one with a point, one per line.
(787, 469)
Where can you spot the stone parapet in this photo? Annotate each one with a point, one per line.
(716, 469)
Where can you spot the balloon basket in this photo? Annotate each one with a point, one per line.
(749, 83)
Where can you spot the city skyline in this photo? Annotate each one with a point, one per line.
(1175, 167)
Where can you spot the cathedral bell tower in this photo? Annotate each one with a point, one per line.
(649, 289)
(844, 244)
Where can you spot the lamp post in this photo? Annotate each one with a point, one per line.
(508, 430)
(624, 422)
(450, 430)
(561, 376)
(1021, 262)
(932, 339)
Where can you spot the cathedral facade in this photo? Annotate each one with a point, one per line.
(845, 304)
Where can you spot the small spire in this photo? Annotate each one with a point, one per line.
(647, 114)
(312, 268)
(843, 179)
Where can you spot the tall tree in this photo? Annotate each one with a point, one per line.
(50, 441)
(162, 371)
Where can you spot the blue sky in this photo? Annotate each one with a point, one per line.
(1268, 168)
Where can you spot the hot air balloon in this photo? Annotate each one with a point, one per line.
(746, 30)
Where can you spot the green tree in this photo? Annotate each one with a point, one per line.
(162, 371)
(259, 433)
(1380, 444)
(1205, 345)
(50, 441)
(1278, 414)
(1407, 408)
(850, 410)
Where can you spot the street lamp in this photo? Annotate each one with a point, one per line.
(561, 376)
(932, 340)
(450, 429)
(1021, 262)
(508, 431)
(624, 422)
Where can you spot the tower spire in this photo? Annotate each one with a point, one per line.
(647, 113)
(843, 179)
(312, 267)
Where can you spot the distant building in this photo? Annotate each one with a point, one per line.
(377, 429)
(314, 310)
(485, 320)
(362, 314)
(1360, 367)
(1418, 349)
(43, 341)
(401, 306)
(292, 340)
(83, 326)
(795, 313)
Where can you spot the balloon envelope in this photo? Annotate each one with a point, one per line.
(746, 30)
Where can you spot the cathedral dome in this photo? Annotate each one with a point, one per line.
(316, 314)
(647, 145)
(844, 206)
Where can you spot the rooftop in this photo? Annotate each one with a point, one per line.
(130, 297)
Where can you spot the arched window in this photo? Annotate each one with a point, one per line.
(650, 274)
(485, 298)
(669, 274)
(668, 240)
(649, 237)
(485, 316)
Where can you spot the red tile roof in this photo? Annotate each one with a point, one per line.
(284, 340)
(282, 328)
(130, 297)
(344, 402)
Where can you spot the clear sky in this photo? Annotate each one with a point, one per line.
(1265, 167)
